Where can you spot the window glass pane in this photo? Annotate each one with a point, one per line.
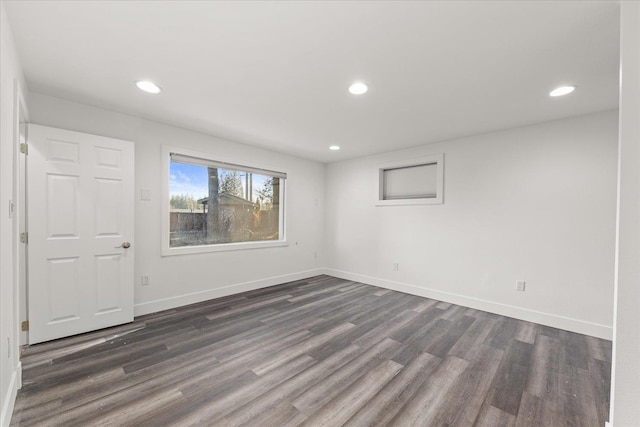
(212, 205)
(419, 181)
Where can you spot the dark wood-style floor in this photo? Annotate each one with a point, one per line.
(322, 351)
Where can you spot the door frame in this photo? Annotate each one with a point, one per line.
(21, 117)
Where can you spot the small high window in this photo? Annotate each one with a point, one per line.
(414, 182)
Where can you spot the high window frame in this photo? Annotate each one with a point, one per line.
(415, 194)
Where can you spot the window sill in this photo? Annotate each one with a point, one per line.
(410, 202)
(186, 250)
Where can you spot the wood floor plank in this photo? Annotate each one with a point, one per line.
(375, 320)
(219, 407)
(440, 346)
(368, 304)
(599, 349)
(36, 414)
(423, 406)
(575, 399)
(527, 332)
(535, 411)
(466, 396)
(249, 306)
(60, 394)
(282, 414)
(318, 351)
(511, 378)
(78, 371)
(343, 406)
(287, 354)
(424, 304)
(262, 335)
(544, 371)
(453, 312)
(443, 305)
(388, 402)
(421, 339)
(167, 385)
(313, 399)
(125, 413)
(322, 303)
(420, 323)
(327, 288)
(290, 389)
(396, 302)
(493, 417)
(474, 337)
(505, 334)
(386, 328)
(575, 349)
(174, 413)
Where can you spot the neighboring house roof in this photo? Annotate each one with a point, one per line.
(228, 199)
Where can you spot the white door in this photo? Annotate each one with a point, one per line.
(80, 221)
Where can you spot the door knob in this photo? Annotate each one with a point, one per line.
(125, 245)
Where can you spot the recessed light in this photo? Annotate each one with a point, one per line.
(358, 88)
(562, 90)
(334, 147)
(148, 86)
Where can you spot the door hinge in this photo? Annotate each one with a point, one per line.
(24, 148)
(24, 237)
(25, 326)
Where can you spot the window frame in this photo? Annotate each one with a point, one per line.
(167, 250)
(437, 159)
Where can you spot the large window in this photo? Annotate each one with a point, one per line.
(215, 205)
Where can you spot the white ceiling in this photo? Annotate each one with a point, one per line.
(275, 74)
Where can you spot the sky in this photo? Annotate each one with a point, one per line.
(188, 179)
(192, 180)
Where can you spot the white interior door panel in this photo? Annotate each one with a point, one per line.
(80, 212)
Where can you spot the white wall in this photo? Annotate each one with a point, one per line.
(535, 203)
(10, 73)
(625, 386)
(178, 280)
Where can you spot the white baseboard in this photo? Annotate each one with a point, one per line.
(10, 398)
(547, 319)
(186, 299)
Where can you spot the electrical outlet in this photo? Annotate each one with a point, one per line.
(520, 285)
(144, 280)
(396, 266)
